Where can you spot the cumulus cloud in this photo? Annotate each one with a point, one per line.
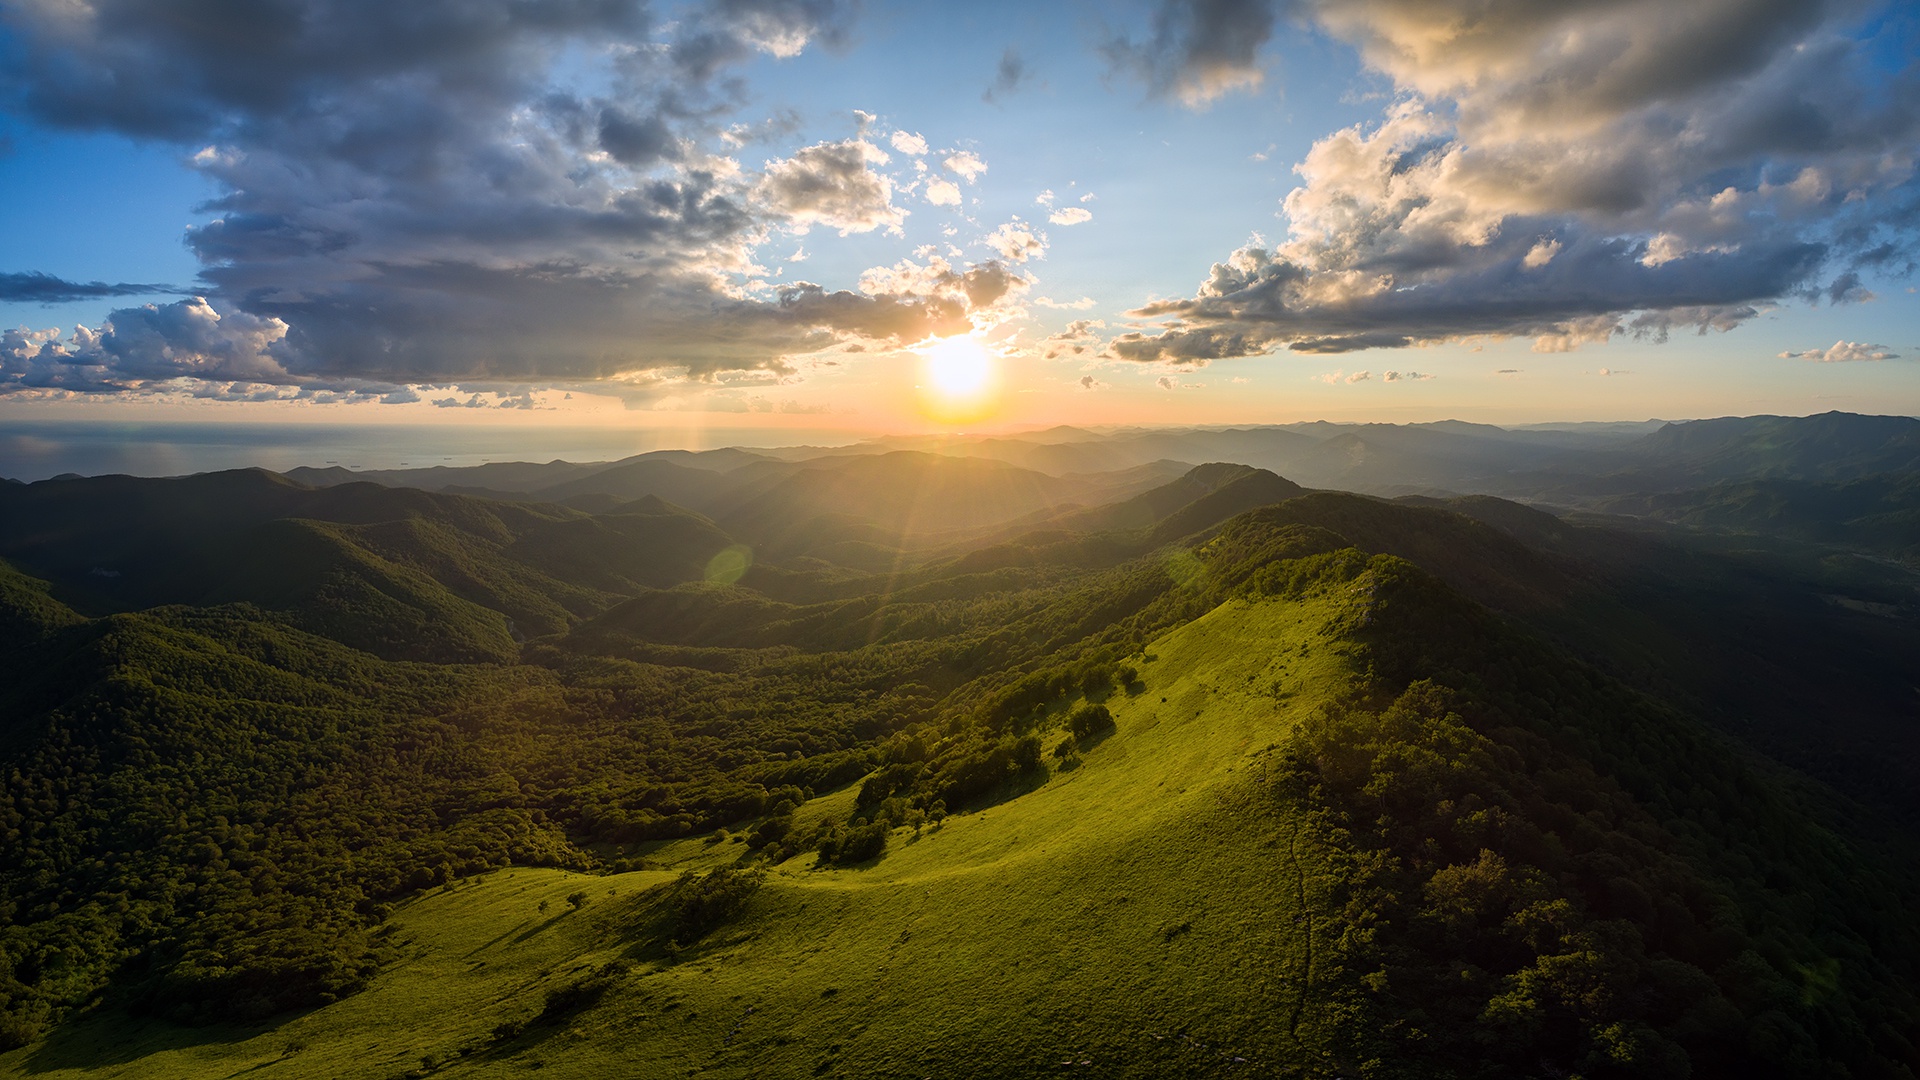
(1572, 172)
(1080, 338)
(1017, 242)
(1196, 51)
(941, 191)
(908, 143)
(1843, 352)
(1167, 382)
(147, 347)
(1088, 382)
(832, 184)
(1070, 215)
(419, 194)
(1406, 376)
(965, 164)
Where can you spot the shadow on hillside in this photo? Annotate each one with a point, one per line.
(1023, 784)
(110, 1037)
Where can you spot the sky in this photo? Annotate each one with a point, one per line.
(808, 215)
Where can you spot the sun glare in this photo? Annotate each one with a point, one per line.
(958, 379)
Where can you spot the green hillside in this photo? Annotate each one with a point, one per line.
(1210, 882)
(402, 573)
(1319, 790)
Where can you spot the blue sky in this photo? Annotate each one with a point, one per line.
(1185, 211)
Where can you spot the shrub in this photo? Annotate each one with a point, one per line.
(702, 902)
(771, 831)
(858, 844)
(1090, 720)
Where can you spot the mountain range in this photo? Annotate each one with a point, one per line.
(1108, 753)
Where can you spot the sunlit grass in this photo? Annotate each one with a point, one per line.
(1136, 912)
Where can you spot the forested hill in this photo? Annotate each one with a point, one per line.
(1218, 776)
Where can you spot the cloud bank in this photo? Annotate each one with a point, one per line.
(1570, 172)
(36, 288)
(437, 193)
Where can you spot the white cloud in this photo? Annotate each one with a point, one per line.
(965, 164)
(1841, 352)
(1016, 242)
(1071, 215)
(908, 143)
(831, 184)
(1599, 126)
(1081, 304)
(942, 192)
(1080, 338)
(1540, 254)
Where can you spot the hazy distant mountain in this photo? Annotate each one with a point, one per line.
(477, 570)
(522, 477)
(1830, 446)
(1559, 463)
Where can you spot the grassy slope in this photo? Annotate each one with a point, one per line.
(1147, 912)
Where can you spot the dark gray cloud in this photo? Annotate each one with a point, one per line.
(1572, 171)
(188, 68)
(1197, 50)
(1008, 77)
(33, 287)
(411, 194)
(1259, 301)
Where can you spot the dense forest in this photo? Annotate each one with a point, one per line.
(1585, 798)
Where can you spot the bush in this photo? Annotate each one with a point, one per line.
(1090, 720)
(702, 902)
(865, 840)
(771, 831)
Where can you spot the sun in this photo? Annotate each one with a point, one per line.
(959, 367)
(959, 378)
